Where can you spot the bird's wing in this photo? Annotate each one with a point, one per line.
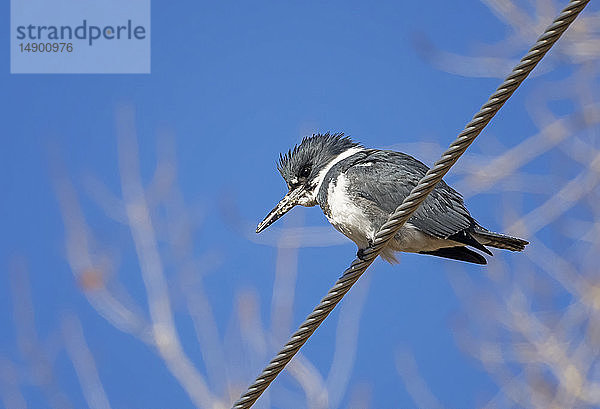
(386, 178)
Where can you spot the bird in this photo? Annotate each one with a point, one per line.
(359, 188)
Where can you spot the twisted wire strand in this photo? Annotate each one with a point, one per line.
(413, 201)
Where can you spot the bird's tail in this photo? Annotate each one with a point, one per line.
(500, 241)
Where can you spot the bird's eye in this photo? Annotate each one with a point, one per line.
(305, 171)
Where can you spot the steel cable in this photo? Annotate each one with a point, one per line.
(412, 201)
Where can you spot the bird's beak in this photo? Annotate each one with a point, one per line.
(285, 205)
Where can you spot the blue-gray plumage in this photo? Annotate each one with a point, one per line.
(359, 188)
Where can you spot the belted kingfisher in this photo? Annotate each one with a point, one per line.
(358, 188)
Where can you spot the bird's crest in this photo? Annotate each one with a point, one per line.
(316, 149)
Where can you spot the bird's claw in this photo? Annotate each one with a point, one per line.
(361, 254)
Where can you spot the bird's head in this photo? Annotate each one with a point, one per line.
(303, 168)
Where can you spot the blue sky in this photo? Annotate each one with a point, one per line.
(236, 84)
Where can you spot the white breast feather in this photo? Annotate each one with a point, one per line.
(345, 216)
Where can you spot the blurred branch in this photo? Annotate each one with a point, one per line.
(252, 330)
(111, 205)
(525, 21)
(467, 66)
(165, 335)
(311, 381)
(414, 383)
(205, 326)
(87, 269)
(286, 271)
(84, 364)
(562, 201)
(526, 151)
(346, 342)
(179, 230)
(39, 365)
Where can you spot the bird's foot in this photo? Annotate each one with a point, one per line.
(361, 254)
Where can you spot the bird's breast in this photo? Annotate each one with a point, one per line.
(345, 214)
